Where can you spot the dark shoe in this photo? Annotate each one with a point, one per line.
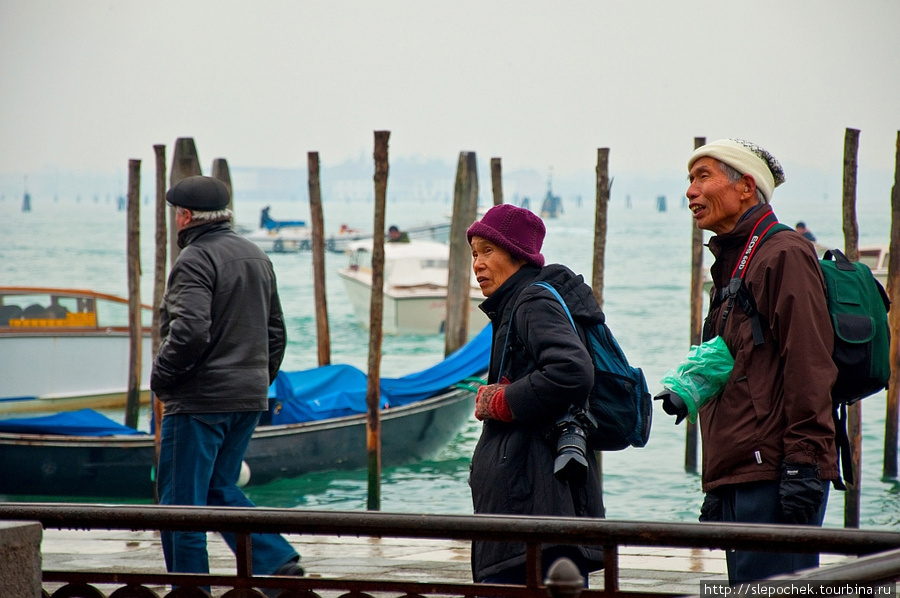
(291, 567)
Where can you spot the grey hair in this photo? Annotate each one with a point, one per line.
(225, 214)
(734, 176)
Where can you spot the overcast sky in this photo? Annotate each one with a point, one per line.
(88, 85)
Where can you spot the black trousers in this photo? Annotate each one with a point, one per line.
(758, 502)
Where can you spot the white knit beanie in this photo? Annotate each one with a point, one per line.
(748, 159)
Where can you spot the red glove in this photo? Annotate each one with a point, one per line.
(490, 403)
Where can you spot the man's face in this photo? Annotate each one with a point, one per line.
(716, 203)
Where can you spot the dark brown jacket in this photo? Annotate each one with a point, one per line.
(776, 405)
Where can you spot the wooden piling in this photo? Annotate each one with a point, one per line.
(696, 335)
(465, 210)
(893, 289)
(376, 306)
(497, 180)
(185, 163)
(851, 250)
(600, 228)
(221, 172)
(159, 286)
(135, 329)
(318, 258)
(600, 223)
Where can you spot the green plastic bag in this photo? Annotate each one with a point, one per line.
(701, 376)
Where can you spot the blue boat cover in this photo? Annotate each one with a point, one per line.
(340, 390)
(85, 422)
(308, 395)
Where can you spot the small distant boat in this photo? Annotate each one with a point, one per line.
(415, 287)
(318, 423)
(65, 349)
(288, 238)
(280, 236)
(338, 242)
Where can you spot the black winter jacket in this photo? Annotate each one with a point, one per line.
(549, 369)
(222, 329)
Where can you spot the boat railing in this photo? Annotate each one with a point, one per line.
(883, 565)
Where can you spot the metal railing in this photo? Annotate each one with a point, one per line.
(531, 531)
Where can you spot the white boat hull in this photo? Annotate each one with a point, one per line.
(409, 312)
(50, 373)
(63, 349)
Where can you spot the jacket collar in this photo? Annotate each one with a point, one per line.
(188, 235)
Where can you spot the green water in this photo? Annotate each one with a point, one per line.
(646, 301)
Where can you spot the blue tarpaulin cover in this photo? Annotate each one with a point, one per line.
(85, 422)
(340, 390)
(308, 395)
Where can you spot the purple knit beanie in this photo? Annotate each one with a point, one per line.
(517, 230)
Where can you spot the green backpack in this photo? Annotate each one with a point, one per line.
(858, 306)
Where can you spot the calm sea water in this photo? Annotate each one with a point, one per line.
(82, 244)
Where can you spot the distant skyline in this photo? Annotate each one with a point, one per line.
(86, 86)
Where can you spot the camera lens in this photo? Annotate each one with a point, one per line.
(571, 455)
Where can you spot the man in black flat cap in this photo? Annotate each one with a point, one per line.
(223, 339)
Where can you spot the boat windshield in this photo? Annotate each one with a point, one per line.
(54, 309)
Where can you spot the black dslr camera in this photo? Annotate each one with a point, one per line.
(571, 431)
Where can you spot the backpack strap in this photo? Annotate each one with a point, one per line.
(736, 289)
(512, 319)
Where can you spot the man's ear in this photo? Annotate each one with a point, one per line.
(747, 187)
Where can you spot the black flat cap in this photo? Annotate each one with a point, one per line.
(201, 193)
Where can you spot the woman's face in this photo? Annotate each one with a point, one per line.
(493, 265)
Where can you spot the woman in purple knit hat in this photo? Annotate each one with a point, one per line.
(539, 368)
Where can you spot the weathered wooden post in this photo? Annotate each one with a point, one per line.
(465, 210)
(893, 290)
(376, 306)
(318, 257)
(135, 329)
(851, 250)
(159, 287)
(185, 163)
(221, 172)
(600, 226)
(497, 180)
(690, 431)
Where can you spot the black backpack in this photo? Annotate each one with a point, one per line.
(858, 306)
(619, 401)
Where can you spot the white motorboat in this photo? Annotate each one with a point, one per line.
(876, 258)
(415, 287)
(64, 349)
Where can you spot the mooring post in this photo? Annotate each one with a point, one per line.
(135, 329)
(893, 290)
(601, 217)
(159, 289)
(465, 210)
(318, 257)
(851, 250)
(185, 163)
(376, 306)
(696, 333)
(497, 180)
(221, 172)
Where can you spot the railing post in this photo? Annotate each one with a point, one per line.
(564, 580)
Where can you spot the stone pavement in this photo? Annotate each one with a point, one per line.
(648, 569)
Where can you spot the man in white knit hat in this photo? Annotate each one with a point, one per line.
(768, 438)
